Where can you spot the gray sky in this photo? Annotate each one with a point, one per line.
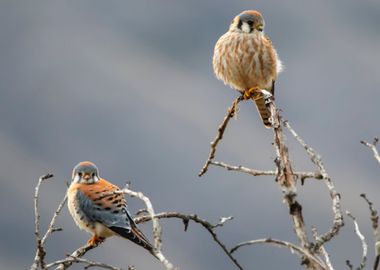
(130, 86)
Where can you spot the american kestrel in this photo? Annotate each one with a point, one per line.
(97, 209)
(245, 59)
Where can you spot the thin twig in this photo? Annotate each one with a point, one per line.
(338, 221)
(323, 250)
(375, 227)
(88, 263)
(69, 260)
(242, 169)
(40, 253)
(349, 265)
(314, 156)
(279, 243)
(51, 227)
(222, 127)
(157, 231)
(207, 225)
(362, 239)
(372, 146)
(376, 264)
(239, 168)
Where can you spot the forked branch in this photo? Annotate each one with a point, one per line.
(222, 127)
(372, 146)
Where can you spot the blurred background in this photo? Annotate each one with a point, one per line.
(129, 85)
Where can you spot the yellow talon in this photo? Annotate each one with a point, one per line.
(248, 94)
(254, 93)
(95, 240)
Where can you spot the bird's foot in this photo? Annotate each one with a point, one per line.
(95, 240)
(250, 93)
(255, 93)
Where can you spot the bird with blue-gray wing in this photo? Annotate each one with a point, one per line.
(97, 209)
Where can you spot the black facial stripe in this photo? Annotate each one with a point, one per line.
(239, 24)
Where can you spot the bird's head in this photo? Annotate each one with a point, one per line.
(249, 21)
(85, 172)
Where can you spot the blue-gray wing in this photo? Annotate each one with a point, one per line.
(111, 211)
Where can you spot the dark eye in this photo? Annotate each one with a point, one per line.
(93, 174)
(80, 174)
(250, 23)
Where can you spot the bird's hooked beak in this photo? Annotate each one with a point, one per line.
(260, 27)
(87, 176)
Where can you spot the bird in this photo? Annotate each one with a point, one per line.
(97, 208)
(245, 59)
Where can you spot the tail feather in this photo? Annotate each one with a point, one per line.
(135, 235)
(263, 111)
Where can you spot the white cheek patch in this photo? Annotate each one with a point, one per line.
(246, 28)
(76, 179)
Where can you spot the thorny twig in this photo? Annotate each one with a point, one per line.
(362, 239)
(279, 243)
(372, 146)
(222, 127)
(338, 221)
(375, 227)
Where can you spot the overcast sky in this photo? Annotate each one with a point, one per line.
(129, 85)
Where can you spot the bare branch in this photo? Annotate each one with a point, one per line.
(207, 225)
(157, 231)
(314, 156)
(338, 221)
(222, 127)
(375, 227)
(362, 239)
(323, 250)
(70, 259)
(285, 177)
(349, 265)
(239, 168)
(279, 243)
(51, 227)
(242, 169)
(372, 146)
(88, 263)
(376, 264)
(40, 254)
